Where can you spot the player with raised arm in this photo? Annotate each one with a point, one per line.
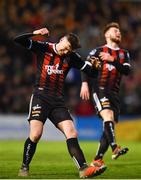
(112, 62)
(53, 63)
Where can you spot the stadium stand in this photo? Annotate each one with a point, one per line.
(86, 18)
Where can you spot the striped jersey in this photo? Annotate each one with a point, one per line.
(52, 68)
(110, 73)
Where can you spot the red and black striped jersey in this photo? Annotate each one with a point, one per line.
(110, 73)
(51, 68)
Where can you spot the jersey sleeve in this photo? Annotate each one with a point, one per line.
(84, 66)
(26, 41)
(84, 76)
(94, 53)
(124, 67)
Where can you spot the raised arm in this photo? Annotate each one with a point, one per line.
(26, 39)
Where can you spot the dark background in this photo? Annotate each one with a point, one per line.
(84, 17)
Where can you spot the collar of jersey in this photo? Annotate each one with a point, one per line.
(112, 47)
(54, 48)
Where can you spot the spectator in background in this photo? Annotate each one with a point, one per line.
(86, 18)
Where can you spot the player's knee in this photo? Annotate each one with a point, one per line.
(75, 134)
(72, 133)
(35, 137)
(109, 119)
(107, 115)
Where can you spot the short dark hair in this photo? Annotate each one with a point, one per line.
(112, 24)
(73, 40)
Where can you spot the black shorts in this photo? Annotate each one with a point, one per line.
(40, 109)
(105, 101)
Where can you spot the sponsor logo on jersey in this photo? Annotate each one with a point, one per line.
(35, 115)
(53, 69)
(110, 67)
(36, 107)
(105, 102)
(36, 112)
(104, 99)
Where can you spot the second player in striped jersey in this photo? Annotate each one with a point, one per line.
(113, 63)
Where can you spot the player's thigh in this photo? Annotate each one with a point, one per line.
(68, 128)
(104, 106)
(62, 119)
(107, 114)
(38, 109)
(59, 114)
(38, 113)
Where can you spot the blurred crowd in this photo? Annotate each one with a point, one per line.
(84, 17)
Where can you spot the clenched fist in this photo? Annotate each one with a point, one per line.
(95, 62)
(106, 57)
(42, 31)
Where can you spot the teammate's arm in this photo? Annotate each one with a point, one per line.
(85, 91)
(124, 68)
(26, 40)
(84, 66)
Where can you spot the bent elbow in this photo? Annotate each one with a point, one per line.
(16, 39)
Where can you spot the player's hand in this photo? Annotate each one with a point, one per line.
(106, 57)
(84, 92)
(95, 61)
(43, 31)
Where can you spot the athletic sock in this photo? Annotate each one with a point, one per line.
(76, 152)
(102, 148)
(110, 133)
(29, 150)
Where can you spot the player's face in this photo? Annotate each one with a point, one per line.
(63, 47)
(114, 34)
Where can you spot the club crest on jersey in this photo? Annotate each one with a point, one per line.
(121, 55)
(110, 67)
(53, 69)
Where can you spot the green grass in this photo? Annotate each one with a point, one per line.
(52, 161)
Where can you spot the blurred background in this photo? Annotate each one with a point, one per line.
(84, 17)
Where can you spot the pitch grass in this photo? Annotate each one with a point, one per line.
(52, 161)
